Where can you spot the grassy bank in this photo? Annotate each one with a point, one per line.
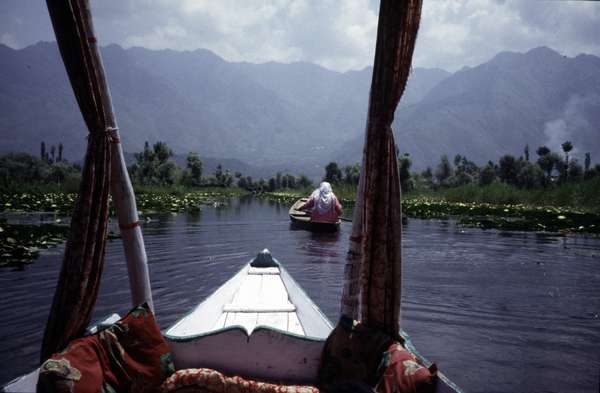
(580, 197)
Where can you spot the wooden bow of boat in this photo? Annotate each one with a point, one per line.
(259, 324)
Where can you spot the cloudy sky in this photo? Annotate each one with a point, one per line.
(337, 34)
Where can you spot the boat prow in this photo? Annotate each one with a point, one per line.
(260, 324)
(301, 219)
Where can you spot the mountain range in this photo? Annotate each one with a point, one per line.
(299, 116)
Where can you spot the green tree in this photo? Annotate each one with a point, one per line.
(262, 184)
(508, 169)
(43, 154)
(530, 176)
(427, 176)
(567, 146)
(588, 161)
(162, 152)
(333, 174)
(167, 173)
(227, 178)
(193, 173)
(546, 163)
(60, 151)
(542, 151)
(304, 181)
(52, 152)
(404, 164)
(526, 152)
(219, 179)
(488, 174)
(352, 174)
(444, 171)
(575, 171)
(152, 166)
(291, 181)
(465, 172)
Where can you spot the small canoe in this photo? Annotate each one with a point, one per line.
(301, 219)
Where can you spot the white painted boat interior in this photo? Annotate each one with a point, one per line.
(24, 383)
(254, 297)
(259, 324)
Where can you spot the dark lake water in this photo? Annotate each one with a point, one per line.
(498, 311)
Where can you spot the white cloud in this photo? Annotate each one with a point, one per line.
(335, 34)
(9, 40)
(458, 33)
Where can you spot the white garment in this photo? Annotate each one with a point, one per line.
(323, 197)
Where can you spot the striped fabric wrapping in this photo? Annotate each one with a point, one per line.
(79, 279)
(372, 277)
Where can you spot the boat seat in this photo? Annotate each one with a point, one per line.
(263, 270)
(267, 308)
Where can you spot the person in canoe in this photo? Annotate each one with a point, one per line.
(323, 204)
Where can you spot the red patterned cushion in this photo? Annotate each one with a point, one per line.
(129, 356)
(403, 372)
(211, 381)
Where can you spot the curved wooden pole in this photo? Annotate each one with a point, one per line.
(122, 192)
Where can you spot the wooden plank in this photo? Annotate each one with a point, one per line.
(248, 294)
(277, 320)
(220, 324)
(263, 270)
(273, 291)
(244, 319)
(261, 308)
(294, 325)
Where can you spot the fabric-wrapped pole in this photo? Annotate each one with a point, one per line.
(79, 279)
(372, 276)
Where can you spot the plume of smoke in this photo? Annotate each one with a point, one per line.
(566, 127)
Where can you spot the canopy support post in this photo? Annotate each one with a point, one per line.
(133, 242)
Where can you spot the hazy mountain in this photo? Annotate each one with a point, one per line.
(535, 98)
(288, 116)
(299, 116)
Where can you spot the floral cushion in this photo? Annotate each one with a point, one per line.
(129, 356)
(206, 380)
(403, 373)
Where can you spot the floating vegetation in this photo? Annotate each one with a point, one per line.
(512, 217)
(21, 244)
(57, 202)
(191, 201)
(62, 203)
(516, 217)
